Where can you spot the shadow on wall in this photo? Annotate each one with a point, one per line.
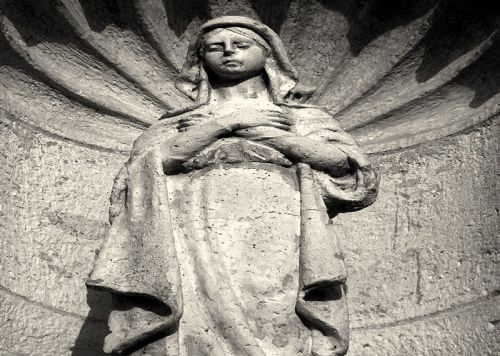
(90, 340)
(483, 76)
(457, 27)
(369, 20)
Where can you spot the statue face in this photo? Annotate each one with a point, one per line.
(232, 56)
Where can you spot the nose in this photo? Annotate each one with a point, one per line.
(228, 47)
(228, 50)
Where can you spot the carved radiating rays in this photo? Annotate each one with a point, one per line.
(394, 73)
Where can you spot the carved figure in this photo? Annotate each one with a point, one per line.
(220, 240)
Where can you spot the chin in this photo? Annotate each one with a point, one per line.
(234, 75)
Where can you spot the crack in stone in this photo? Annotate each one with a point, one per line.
(50, 307)
(453, 309)
(396, 218)
(418, 287)
(456, 308)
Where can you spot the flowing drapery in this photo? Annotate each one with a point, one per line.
(138, 261)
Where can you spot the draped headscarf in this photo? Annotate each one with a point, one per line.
(193, 79)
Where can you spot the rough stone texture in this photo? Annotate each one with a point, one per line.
(427, 285)
(53, 217)
(423, 261)
(431, 241)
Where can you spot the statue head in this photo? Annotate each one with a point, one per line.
(233, 53)
(232, 48)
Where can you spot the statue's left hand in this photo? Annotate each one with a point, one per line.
(262, 133)
(192, 120)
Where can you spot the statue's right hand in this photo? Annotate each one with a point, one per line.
(248, 118)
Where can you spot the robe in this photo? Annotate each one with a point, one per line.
(234, 255)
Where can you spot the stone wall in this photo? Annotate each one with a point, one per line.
(417, 82)
(423, 260)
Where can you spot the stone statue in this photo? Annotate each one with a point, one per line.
(220, 240)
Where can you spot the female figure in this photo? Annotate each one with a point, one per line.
(220, 240)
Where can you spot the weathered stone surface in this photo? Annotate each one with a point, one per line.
(54, 215)
(220, 220)
(471, 329)
(431, 240)
(28, 327)
(457, 313)
(82, 80)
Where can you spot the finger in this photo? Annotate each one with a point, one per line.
(199, 115)
(279, 126)
(283, 127)
(282, 116)
(282, 121)
(278, 117)
(192, 118)
(285, 113)
(274, 113)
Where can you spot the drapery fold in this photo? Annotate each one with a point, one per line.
(138, 261)
(321, 299)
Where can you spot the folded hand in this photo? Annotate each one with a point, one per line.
(239, 120)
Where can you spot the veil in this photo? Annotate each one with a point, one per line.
(193, 80)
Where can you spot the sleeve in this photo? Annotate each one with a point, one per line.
(137, 262)
(359, 187)
(321, 300)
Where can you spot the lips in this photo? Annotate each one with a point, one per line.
(231, 62)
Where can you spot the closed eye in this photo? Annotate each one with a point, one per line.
(215, 48)
(242, 45)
